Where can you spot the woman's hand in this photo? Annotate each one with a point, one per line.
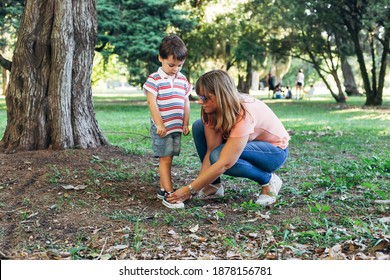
(180, 195)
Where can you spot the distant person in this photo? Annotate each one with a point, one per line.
(237, 135)
(168, 92)
(270, 84)
(299, 84)
(311, 91)
(288, 93)
(278, 91)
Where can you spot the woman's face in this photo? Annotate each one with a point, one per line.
(208, 102)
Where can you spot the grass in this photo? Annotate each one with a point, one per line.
(339, 164)
(333, 148)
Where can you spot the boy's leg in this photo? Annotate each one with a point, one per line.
(171, 149)
(164, 170)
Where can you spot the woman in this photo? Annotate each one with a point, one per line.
(239, 136)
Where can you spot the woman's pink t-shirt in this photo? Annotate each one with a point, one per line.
(261, 124)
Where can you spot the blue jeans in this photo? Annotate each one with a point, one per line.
(257, 162)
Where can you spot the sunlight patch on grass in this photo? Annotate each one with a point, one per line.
(371, 117)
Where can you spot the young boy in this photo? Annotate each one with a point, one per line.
(167, 92)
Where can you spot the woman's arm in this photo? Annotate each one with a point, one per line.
(228, 157)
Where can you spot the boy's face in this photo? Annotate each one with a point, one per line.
(171, 66)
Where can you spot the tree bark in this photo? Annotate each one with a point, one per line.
(49, 98)
(244, 83)
(349, 79)
(5, 79)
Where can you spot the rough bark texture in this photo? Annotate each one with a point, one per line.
(349, 78)
(5, 79)
(49, 98)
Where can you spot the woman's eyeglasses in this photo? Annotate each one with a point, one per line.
(203, 98)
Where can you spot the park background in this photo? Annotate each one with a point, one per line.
(99, 203)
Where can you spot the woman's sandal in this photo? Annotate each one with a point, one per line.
(220, 192)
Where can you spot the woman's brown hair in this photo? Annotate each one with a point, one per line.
(229, 107)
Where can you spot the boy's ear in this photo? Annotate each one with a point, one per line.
(160, 58)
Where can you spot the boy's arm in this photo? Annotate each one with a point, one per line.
(186, 119)
(155, 114)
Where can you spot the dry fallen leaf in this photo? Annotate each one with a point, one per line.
(177, 249)
(335, 253)
(232, 255)
(381, 256)
(385, 220)
(71, 187)
(173, 233)
(105, 257)
(194, 228)
(361, 256)
(117, 247)
(382, 201)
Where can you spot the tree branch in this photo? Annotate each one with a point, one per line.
(100, 48)
(7, 64)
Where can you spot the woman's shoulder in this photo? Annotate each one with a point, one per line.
(250, 101)
(246, 98)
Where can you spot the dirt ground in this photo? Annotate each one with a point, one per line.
(101, 204)
(52, 201)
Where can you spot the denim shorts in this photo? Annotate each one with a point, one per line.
(165, 146)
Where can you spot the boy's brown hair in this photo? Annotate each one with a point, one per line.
(173, 45)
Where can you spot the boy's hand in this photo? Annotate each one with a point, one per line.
(186, 130)
(161, 130)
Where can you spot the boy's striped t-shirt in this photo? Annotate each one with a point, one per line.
(171, 93)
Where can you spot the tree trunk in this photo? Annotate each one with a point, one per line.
(372, 99)
(5, 79)
(49, 98)
(282, 65)
(340, 97)
(349, 79)
(244, 83)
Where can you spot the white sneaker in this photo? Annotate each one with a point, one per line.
(177, 205)
(275, 184)
(265, 200)
(219, 193)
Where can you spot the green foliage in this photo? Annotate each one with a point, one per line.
(133, 30)
(113, 170)
(10, 13)
(317, 208)
(126, 216)
(251, 206)
(240, 37)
